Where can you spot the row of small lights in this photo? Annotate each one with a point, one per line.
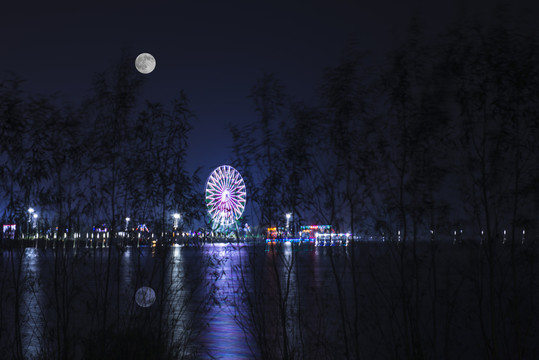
(461, 232)
(177, 216)
(32, 213)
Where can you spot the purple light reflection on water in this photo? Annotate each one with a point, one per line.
(223, 338)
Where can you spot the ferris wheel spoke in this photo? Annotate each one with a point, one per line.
(235, 203)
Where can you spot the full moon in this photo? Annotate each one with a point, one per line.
(145, 63)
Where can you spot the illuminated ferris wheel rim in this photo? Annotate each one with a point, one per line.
(225, 196)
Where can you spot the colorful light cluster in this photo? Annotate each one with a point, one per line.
(316, 227)
(225, 196)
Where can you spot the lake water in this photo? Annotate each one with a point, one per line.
(239, 302)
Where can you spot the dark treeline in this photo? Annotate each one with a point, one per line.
(110, 157)
(442, 135)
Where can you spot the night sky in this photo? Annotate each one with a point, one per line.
(214, 51)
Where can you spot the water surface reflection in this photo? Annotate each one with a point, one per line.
(240, 301)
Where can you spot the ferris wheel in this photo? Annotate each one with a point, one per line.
(225, 196)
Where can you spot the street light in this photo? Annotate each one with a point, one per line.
(30, 212)
(288, 216)
(176, 218)
(127, 223)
